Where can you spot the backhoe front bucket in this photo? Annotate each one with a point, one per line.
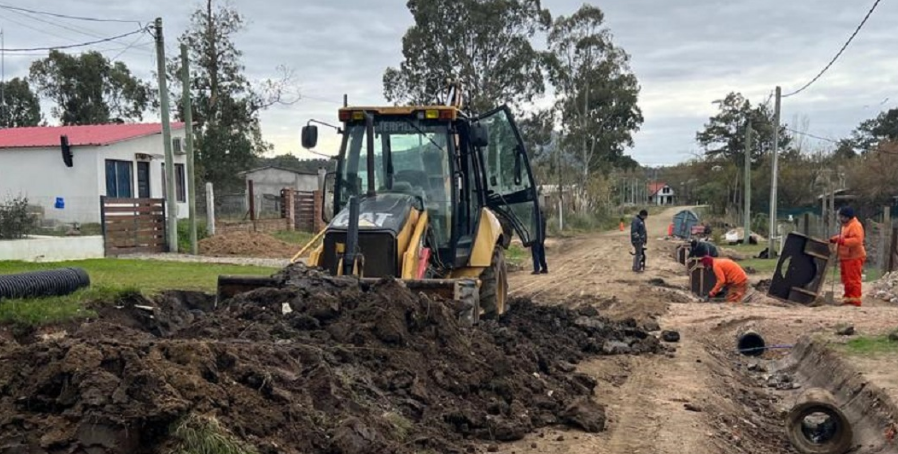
(464, 291)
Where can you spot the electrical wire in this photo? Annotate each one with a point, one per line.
(34, 28)
(65, 16)
(845, 46)
(69, 46)
(826, 139)
(80, 31)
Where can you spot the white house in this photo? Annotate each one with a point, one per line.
(271, 179)
(661, 194)
(117, 160)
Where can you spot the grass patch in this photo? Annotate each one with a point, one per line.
(871, 345)
(200, 435)
(42, 311)
(762, 266)
(294, 237)
(149, 276)
(517, 255)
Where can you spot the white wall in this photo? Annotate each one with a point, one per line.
(52, 249)
(41, 175)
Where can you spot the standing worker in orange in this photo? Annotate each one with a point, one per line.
(730, 275)
(850, 243)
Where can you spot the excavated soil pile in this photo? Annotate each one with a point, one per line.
(318, 366)
(246, 244)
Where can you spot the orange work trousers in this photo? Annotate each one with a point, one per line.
(851, 271)
(736, 292)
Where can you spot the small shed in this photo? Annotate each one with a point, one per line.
(271, 179)
(683, 222)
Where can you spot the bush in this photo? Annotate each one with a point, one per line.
(15, 221)
(184, 233)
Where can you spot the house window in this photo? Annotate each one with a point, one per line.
(180, 188)
(176, 145)
(143, 179)
(118, 178)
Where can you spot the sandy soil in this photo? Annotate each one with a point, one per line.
(647, 396)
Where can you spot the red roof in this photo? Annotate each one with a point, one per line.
(48, 136)
(655, 187)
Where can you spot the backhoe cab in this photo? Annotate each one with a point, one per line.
(430, 196)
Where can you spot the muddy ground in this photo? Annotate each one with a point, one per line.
(575, 367)
(319, 366)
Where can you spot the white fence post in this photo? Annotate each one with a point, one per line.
(210, 209)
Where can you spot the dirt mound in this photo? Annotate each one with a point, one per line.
(318, 366)
(247, 244)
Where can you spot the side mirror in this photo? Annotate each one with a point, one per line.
(518, 171)
(327, 196)
(480, 135)
(309, 136)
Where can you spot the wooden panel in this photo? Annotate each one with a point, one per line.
(133, 225)
(133, 209)
(119, 201)
(136, 250)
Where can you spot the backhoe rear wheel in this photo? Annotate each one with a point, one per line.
(494, 285)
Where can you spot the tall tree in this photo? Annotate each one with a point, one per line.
(724, 134)
(19, 105)
(90, 89)
(871, 132)
(597, 92)
(483, 44)
(225, 105)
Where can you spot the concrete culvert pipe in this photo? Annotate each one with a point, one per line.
(816, 425)
(57, 282)
(750, 343)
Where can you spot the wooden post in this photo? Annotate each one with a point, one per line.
(210, 209)
(290, 208)
(884, 241)
(252, 200)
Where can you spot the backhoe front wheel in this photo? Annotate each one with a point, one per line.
(494, 285)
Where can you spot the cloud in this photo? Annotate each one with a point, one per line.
(685, 54)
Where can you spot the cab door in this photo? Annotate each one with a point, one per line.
(510, 189)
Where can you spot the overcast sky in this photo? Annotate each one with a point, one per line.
(685, 54)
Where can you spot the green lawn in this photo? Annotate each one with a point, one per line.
(294, 237)
(113, 279)
(871, 345)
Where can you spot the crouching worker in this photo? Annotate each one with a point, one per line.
(730, 275)
(699, 249)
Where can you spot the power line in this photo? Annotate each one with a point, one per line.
(845, 46)
(69, 46)
(825, 139)
(64, 16)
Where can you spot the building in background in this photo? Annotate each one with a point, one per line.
(115, 160)
(661, 194)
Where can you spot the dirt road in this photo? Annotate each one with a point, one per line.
(694, 400)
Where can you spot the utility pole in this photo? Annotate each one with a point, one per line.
(771, 248)
(747, 210)
(188, 131)
(170, 195)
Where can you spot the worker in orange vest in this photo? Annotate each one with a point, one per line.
(852, 255)
(730, 275)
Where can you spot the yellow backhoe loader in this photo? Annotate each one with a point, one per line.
(425, 194)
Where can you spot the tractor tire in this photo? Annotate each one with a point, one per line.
(494, 285)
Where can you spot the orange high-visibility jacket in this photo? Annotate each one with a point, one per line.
(727, 272)
(851, 241)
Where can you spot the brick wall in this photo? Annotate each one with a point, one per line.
(262, 225)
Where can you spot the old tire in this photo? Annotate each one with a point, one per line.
(494, 285)
(817, 400)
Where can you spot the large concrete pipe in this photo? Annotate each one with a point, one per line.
(816, 425)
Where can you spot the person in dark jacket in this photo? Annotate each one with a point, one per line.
(638, 238)
(538, 249)
(699, 249)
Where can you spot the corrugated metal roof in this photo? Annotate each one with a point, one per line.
(87, 135)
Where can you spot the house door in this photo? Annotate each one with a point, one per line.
(143, 179)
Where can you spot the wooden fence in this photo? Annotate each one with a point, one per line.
(133, 225)
(306, 210)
